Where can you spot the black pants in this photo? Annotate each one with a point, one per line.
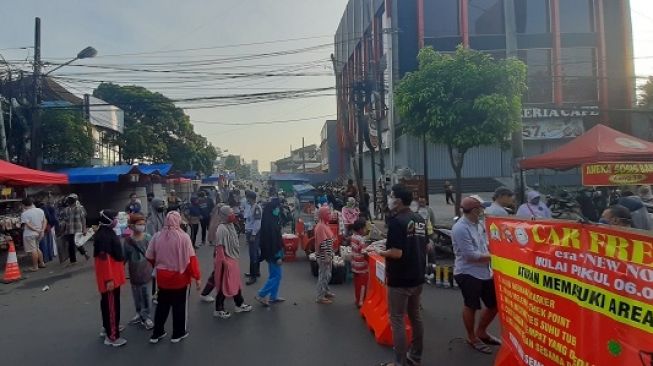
(205, 227)
(210, 285)
(72, 248)
(177, 300)
(219, 301)
(110, 307)
(449, 197)
(193, 232)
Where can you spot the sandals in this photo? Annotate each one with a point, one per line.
(480, 346)
(490, 340)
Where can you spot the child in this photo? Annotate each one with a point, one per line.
(140, 270)
(359, 266)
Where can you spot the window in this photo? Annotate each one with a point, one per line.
(441, 18)
(576, 16)
(539, 78)
(533, 16)
(486, 17)
(579, 80)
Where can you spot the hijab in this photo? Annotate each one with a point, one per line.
(213, 224)
(226, 234)
(270, 233)
(322, 230)
(106, 241)
(171, 247)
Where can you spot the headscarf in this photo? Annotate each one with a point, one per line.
(213, 224)
(322, 230)
(226, 234)
(270, 234)
(531, 210)
(171, 248)
(106, 242)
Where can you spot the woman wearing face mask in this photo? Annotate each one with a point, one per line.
(271, 244)
(324, 238)
(110, 275)
(226, 269)
(140, 270)
(534, 208)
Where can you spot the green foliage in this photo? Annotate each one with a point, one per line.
(157, 130)
(243, 172)
(231, 162)
(462, 100)
(646, 99)
(68, 141)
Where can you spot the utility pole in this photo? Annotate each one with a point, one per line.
(426, 169)
(3, 134)
(303, 156)
(517, 136)
(36, 141)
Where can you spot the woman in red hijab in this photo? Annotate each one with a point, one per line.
(324, 238)
(173, 257)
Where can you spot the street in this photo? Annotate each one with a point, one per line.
(61, 326)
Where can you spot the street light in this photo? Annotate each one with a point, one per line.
(88, 52)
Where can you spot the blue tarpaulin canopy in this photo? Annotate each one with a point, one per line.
(303, 188)
(111, 174)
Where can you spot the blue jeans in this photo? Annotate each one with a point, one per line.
(141, 295)
(271, 287)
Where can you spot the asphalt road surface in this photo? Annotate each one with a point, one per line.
(61, 326)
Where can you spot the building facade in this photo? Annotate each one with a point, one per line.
(580, 71)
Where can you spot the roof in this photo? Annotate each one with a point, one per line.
(303, 188)
(112, 174)
(16, 175)
(600, 144)
(288, 177)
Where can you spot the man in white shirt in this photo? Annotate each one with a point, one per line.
(503, 197)
(34, 223)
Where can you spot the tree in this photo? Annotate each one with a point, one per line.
(68, 141)
(462, 100)
(646, 99)
(231, 162)
(157, 130)
(243, 172)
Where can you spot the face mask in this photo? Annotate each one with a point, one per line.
(392, 203)
(232, 218)
(603, 221)
(414, 207)
(275, 212)
(139, 228)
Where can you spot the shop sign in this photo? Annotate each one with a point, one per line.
(617, 174)
(552, 129)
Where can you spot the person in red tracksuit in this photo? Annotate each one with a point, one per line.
(110, 275)
(172, 255)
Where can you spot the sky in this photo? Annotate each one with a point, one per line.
(276, 45)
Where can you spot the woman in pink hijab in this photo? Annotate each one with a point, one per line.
(324, 238)
(227, 269)
(173, 257)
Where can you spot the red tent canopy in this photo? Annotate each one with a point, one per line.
(12, 174)
(600, 144)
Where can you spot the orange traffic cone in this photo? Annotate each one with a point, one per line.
(12, 271)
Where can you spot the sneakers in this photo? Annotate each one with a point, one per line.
(262, 300)
(116, 343)
(277, 300)
(136, 320)
(222, 314)
(121, 328)
(178, 339)
(324, 301)
(148, 324)
(251, 281)
(155, 340)
(244, 308)
(330, 295)
(207, 298)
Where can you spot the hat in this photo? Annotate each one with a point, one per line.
(470, 203)
(503, 191)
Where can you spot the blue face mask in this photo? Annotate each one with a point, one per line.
(275, 212)
(603, 221)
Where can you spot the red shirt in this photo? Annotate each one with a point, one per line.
(358, 259)
(108, 269)
(173, 280)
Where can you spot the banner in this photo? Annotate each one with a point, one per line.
(572, 294)
(552, 129)
(617, 174)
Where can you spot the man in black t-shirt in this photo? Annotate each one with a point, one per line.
(405, 259)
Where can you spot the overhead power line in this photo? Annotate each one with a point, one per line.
(264, 122)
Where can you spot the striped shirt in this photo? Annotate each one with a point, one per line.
(75, 219)
(358, 259)
(325, 251)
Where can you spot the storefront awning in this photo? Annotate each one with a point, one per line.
(16, 175)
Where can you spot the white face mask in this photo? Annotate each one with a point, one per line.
(414, 206)
(392, 203)
(139, 228)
